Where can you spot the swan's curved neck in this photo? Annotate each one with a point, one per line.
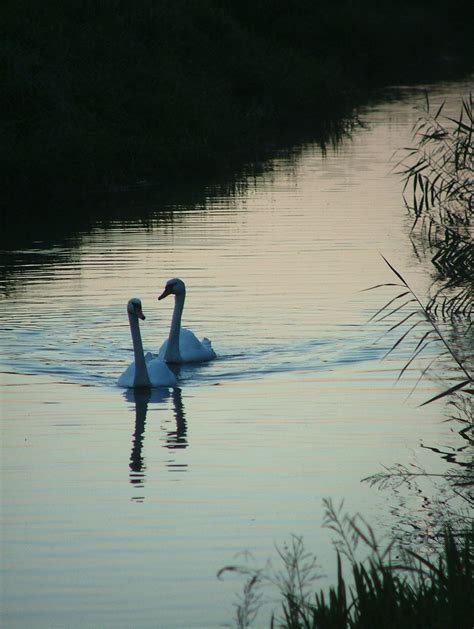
(173, 354)
(141, 372)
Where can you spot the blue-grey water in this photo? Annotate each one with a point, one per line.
(119, 509)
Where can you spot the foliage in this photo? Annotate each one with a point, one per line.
(100, 93)
(391, 587)
(408, 592)
(439, 192)
(294, 580)
(421, 322)
(442, 498)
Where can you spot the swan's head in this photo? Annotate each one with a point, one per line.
(134, 306)
(173, 287)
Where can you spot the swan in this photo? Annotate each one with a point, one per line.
(182, 345)
(145, 371)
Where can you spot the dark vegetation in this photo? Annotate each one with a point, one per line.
(439, 194)
(416, 321)
(409, 592)
(392, 587)
(97, 94)
(438, 171)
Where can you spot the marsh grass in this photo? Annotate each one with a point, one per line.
(439, 193)
(392, 587)
(419, 323)
(293, 579)
(443, 498)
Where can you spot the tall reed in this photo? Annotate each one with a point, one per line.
(392, 588)
(439, 193)
(420, 322)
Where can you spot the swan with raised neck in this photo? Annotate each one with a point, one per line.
(145, 371)
(182, 345)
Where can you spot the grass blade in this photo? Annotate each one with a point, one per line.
(452, 389)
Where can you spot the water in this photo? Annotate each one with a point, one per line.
(119, 509)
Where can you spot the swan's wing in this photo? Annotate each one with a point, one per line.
(128, 377)
(162, 350)
(160, 374)
(190, 348)
(188, 341)
(207, 343)
(194, 350)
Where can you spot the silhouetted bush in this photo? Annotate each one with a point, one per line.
(393, 587)
(97, 93)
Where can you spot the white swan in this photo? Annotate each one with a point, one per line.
(145, 371)
(182, 345)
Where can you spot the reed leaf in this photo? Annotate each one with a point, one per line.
(440, 170)
(388, 303)
(395, 310)
(400, 277)
(414, 356)
(397, 343)
(456, 387)
(429, 336)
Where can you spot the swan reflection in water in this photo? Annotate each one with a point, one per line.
(175, 439)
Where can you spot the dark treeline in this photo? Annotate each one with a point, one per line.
(113, 92)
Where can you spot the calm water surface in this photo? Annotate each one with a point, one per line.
(118, 509)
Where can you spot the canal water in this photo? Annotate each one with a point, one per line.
(119, 508)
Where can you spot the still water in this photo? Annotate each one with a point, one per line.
(119, 509)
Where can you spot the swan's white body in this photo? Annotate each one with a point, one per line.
(182, 345)
(191, 349)
(145, 371)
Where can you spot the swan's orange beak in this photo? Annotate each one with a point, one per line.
(164, 294)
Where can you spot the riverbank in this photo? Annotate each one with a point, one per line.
(113, 93)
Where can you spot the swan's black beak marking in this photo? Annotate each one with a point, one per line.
(164, 294)
(139, 313)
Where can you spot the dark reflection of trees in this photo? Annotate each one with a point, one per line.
(52, 237)
(175, 439)
(43, 231)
